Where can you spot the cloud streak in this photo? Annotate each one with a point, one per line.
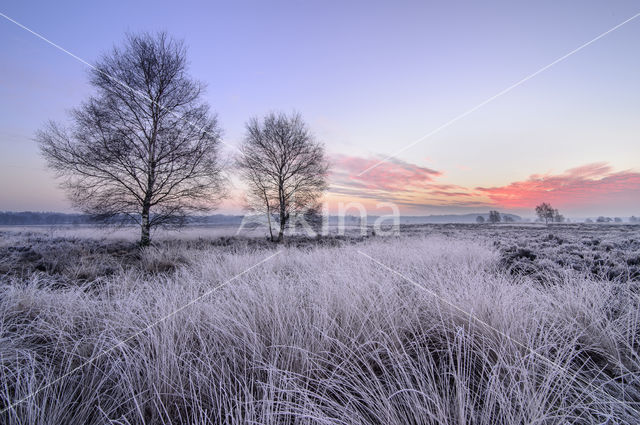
(416, 189)
(411, 186)
(588, 185)
(391, 176)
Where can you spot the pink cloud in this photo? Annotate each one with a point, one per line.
(410, 186)
(588, 185)
(390, 175)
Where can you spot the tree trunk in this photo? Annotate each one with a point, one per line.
(269, 220)
(282, 225)
(283, 218)
(145, 238)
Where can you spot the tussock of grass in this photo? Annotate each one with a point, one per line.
(321, 336)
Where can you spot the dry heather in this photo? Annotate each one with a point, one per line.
(314, 335)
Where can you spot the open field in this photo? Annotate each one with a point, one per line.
(447, 324)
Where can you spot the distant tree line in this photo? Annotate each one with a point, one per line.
(603, 219)
(42, 218)
(495, 217)
(30, 218)
(547, 214)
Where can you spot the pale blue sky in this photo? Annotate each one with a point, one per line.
(369, 77)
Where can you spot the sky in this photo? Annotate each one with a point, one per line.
(370, 78)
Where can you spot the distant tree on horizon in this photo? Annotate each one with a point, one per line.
(145, 145)
(494, 217)
(545, 212)
(633, 219)
(284, 167)
(557, 217)
(480, 219)
(603, 219)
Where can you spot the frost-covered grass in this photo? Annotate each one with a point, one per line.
(131, 233)
(317, 335)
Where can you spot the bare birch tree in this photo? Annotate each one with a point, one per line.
(545, 212)
(284, 167)
(145, 146)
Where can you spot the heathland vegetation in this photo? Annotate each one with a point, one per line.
(445, 324)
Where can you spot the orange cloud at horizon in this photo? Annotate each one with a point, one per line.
(590, 185)
(413, 188)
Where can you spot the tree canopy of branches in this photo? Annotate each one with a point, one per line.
(145, 145)
(545, 212)
(284, 167)
(494, 217)
(479, 219)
